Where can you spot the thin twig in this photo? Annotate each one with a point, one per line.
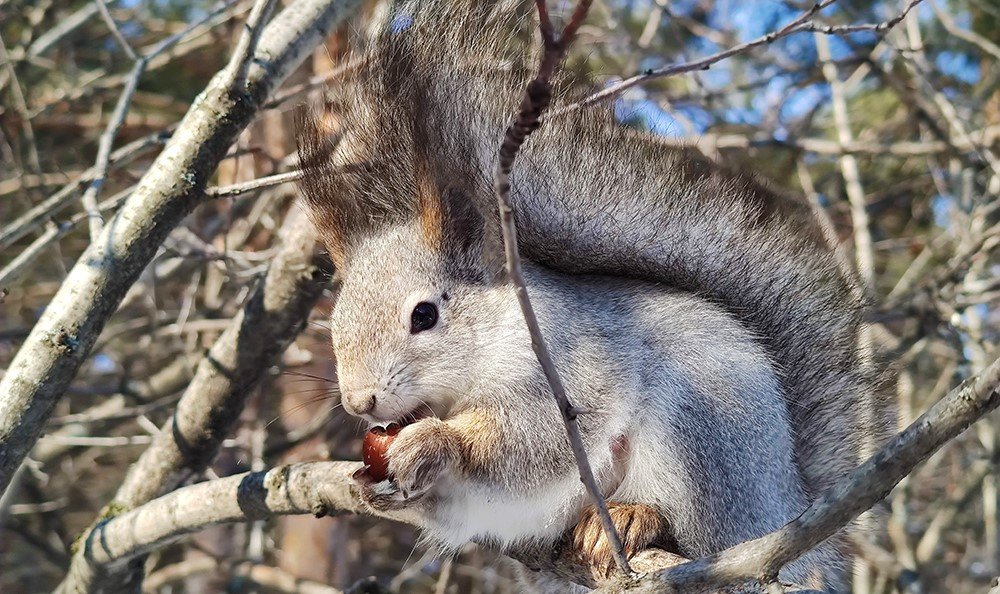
(949, 510)
(21, 107)
(100, 80)
(243, 54)
(103, 161)
(95, 176)
(65, 26)
(536, 100)
(967, 35)
(56, 230)
(863, 253)
(800, 24)
(254, 184)
(902, 149)
(115, 31)
(107, 139)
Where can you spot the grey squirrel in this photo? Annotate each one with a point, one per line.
(700, 318)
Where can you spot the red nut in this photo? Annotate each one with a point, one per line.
(373, 451)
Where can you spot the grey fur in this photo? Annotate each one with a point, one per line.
(735, 373)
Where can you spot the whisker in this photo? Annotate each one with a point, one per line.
(302, 405)
(308, 375)
(306, 380)
(326, 391)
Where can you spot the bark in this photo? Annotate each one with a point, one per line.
(63, 337)
(324, 488)
(212, 403)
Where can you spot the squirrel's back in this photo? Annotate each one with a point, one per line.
(439, 87)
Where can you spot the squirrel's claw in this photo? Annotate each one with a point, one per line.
(419, 455)
(383, 496)
(639, 526)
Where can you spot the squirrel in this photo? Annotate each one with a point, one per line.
(699, 318)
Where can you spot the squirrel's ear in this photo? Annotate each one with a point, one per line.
(451, 219)
(474, 230)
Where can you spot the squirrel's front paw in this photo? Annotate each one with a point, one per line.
(417, 458)
(639, 527)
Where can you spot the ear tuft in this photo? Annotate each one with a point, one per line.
(318, 137)
(354, 176)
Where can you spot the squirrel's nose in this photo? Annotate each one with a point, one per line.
(360, 403)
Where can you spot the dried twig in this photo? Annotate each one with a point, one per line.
(121, 111)
(66, 26)
(800, 24)
(53, 233)
(115, 31)
(533, 105)
(252, 185)
(174, 185)
(21, 108)
(903, 149)
(104, 147)
(863, 255)
(46, 209)
(96, 176)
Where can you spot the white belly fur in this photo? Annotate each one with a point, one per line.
(473, 512)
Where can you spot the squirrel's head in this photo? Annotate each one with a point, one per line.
(418, 264)
(405, 324)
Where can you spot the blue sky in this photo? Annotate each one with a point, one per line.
(780, 91)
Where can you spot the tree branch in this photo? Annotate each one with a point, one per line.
(801, 24)
(223, 380)
(326, 488)
(533, 105)
(173, 186)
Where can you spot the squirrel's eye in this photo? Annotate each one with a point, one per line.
(424, 316)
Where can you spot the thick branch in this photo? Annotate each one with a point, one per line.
(213, 401)
(317, 488)
(324, 488)
(173, 186)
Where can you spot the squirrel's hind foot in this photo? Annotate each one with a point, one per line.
(639, 527)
